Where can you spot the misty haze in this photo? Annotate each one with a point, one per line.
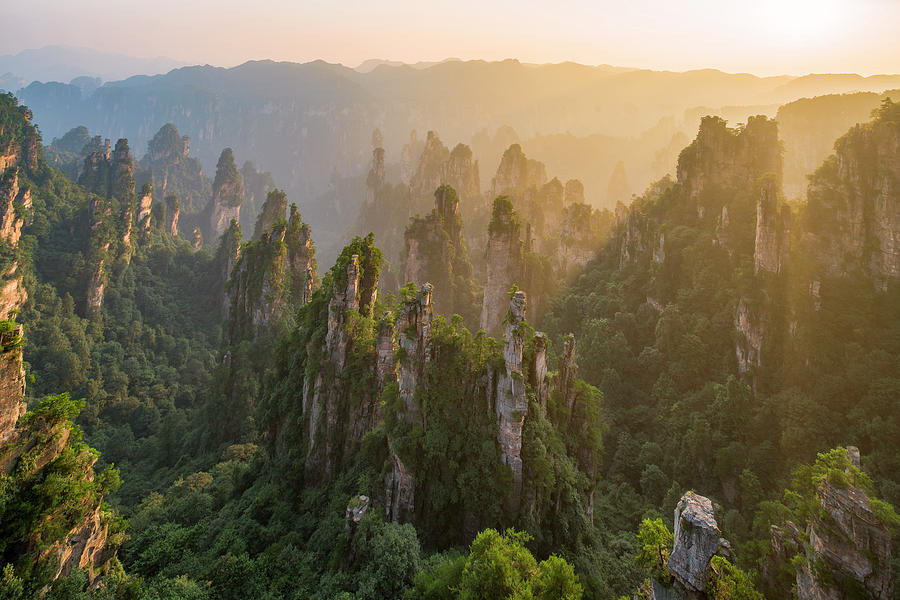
(438, 301)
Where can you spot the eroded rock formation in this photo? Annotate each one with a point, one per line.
(512, 405)
(847, 546)
(773, 231)
(505, 262)
(436, 253)
(517, 173)
(267, 276)
(854, 202)
(228, 194)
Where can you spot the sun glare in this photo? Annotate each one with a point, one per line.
(802, 21)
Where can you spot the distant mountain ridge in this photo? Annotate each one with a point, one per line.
(65, 63)
(310, 122)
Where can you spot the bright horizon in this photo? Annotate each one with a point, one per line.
(772, 37)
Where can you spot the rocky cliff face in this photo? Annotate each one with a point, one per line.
(697, 540)
(414, 331)
(773, 231)
(19, 155)
(12, 381)
(517, 173)
(173, 213)
(439, 166)
(228, 194)
(431, 167)
(144, 208)
(29, 444)
(512, 405)
(505, 262)
(436, 253)
(170, 169)
(725, 158)
(853, 202)
(848, 549)
(15, 206)
(267, 276)
(461, 172)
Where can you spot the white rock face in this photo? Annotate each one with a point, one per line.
(697, 538)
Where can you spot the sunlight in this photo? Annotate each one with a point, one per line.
(802, 20)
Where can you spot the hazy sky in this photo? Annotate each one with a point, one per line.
(758, 36)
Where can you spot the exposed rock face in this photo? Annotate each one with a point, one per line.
(849, 547)
(356, 510)
(334, 426)
(12, 383)
(697, 540)
(565, 379)
(505, 262)
(854, 202)
(15, 205)
(110, 174)
(85, 547)
(633, 236)
(431, 169)
(145, 205)
(173, 211)
(773, 231)
(273, 210)
(267, 276)
(438, 166)
(228, 193)
(414, 331)
(516, 173)
(172, 171)
(167, 145)
(196, 239)
(461, 173)
(96, 288)
(512, 405)
(580, 236)
(721, 157)
(751, 323)
(538, 370)
(436, 252)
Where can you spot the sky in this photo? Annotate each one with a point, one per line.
(765, 37)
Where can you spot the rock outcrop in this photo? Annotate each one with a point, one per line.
(439, 166)
(173, 212)
(724, 158)
(848, 547)
(773, 231)
(267, 276)
(334, 426)
(436, 253)
(853, 202)
(171, 170)
(505, 262)
(512, 404)
(414, 331)
(697, 539)
(12, 380)
(145, 206)
(517, 173)
(15, 206)
(227, 194)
